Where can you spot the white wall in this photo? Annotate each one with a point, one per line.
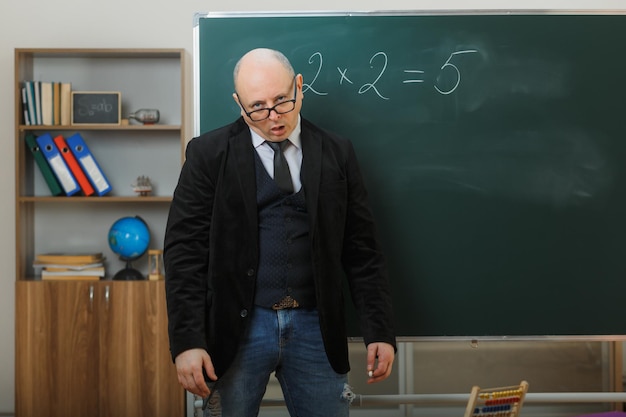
(143, 23)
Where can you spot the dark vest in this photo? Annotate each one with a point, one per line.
(284, 244)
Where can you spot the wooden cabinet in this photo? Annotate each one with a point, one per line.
(137, 376)
(57, 350)
(97, 348)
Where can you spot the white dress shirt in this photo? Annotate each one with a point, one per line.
(293, 155)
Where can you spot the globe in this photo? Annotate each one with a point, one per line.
(129, 238)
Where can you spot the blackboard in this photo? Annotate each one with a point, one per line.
(494, 150)
(96, 107)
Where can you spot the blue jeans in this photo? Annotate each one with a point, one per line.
(289, 343)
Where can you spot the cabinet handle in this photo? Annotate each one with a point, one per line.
(107, 295)
(91, 289)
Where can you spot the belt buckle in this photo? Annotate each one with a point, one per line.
(287, 302)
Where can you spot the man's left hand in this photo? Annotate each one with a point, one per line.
(380, 358)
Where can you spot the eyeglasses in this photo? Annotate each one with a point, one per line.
(280, 108)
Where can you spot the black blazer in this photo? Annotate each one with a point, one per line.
(211, 244)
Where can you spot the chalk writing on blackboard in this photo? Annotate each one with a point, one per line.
(380, 61)
(366, 87)
(319, 69)
(455, 68)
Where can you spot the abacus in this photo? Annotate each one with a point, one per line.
(496, 402)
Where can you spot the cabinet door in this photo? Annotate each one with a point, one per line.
(57, 360)
(137, 377)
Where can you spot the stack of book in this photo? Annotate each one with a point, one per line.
(46, 103)
(71, 266)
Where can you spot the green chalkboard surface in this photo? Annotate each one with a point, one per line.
(494, 149)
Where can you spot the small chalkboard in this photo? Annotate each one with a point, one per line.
(96, 107)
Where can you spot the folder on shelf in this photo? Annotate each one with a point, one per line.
(89, 164)
(44, 168)
(58, 165)
(73, 165)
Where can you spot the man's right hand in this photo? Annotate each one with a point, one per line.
(189, 366)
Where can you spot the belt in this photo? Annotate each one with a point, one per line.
(287, 302)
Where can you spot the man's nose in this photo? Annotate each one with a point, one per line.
(274, 114)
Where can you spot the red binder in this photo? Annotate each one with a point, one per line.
(72, 163)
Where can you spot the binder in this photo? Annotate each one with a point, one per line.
(89, 164)
(73, 165)
(58, 165)
(44, 168)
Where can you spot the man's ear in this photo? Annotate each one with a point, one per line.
(238, 104)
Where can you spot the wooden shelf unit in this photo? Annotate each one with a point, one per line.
(102, 346)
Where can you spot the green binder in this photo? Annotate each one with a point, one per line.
(46, 171)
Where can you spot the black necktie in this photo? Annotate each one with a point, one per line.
(282, 176)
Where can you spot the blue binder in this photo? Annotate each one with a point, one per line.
(89, 164)
(57, 164)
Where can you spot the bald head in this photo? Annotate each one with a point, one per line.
(260, 60)
(269, 93)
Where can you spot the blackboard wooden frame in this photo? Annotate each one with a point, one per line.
(550, 263)
(96, 107)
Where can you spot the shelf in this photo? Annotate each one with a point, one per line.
(96, 200)
(157, 127)
(145, 78)
(100, 52)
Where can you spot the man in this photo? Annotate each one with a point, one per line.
(257, 247)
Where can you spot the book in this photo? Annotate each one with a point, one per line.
(89, 164)
(89, 272)
(69, 258)
(56, 94)
(73, 165)
(37, 95)
(66, 103)
(58, 165)
(30, 99)
(66, 266)
(47, 103)
(42, 163)
(70, 277)
(25, 107)
(88, 269)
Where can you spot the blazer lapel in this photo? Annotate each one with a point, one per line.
(311, 172)
(243, 152)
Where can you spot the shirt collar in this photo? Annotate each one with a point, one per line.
(257, 140)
